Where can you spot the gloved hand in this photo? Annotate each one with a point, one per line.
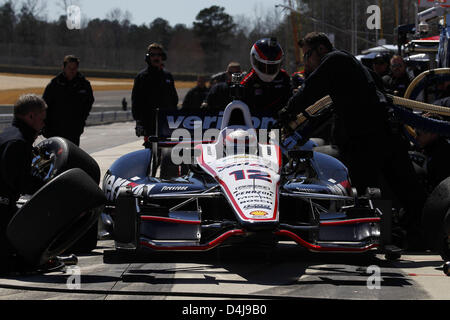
(292, 140)
(285, 117)
(140, 129)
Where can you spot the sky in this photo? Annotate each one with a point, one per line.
(174, 11)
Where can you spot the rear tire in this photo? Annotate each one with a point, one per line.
(57, 215)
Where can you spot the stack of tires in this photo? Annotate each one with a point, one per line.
(62, 216)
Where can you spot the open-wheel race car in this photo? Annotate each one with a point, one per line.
(240, 188)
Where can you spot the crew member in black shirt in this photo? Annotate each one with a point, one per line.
(373, 153)
(69, 99)
(154, 88)
(16, 145)
(196, 96)
(398, 80)
(219, 96)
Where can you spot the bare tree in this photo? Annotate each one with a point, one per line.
(116, 14)
(36, 8)
(64, 4)
(265, 20)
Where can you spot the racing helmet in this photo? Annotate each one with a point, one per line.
(266, 56)
(239, 141)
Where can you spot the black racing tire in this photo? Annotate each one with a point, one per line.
(169, 170)
(66, 155)
(446, 268)
(393, 256)
(435, 213)
(86, 243)
(56, 216)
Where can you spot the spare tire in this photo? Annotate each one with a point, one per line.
(86, 243)
(435, 213)
(56, 216)
(59, 155)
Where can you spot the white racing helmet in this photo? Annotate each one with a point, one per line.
(239, 141)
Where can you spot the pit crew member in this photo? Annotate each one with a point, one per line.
(374, 154)
(16, 145)
(153, 88)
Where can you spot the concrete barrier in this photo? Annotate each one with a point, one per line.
(94, 119)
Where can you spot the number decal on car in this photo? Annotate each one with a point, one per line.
(251, 174)
(259, 175)
(238, 175)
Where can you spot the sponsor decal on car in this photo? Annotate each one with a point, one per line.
(112, 185)
(174, 188)
(171, 122)
(258, 213)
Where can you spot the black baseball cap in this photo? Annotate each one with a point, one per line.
(381, 58)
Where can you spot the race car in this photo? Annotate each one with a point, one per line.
(240, 188)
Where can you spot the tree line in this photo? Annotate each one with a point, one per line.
(28, 38)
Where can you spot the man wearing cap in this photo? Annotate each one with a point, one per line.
(380, 65)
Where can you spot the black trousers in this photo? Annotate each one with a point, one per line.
(6, 250)
(384, 163)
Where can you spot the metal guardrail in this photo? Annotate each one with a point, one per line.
(95, 118)
(90, 73)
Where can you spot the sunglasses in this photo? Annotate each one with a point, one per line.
(396, 66)
(379, 61)
(308, 54)
(154, 54)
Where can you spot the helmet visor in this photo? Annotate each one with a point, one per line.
(265, 68)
